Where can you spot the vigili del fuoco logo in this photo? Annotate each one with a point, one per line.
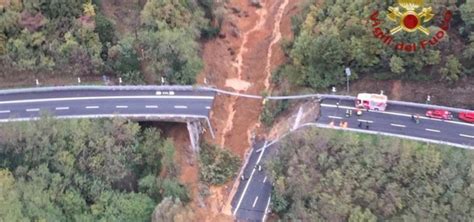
(410, 16)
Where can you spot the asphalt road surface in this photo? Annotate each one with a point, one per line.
(397, 120)
(76, 102)
(252, 199)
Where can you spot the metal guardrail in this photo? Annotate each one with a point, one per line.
(205, 88)
(96, 87)
(402, 103)
(464, 146)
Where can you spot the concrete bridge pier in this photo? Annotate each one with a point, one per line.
(194, 129)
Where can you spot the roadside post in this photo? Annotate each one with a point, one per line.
(348, 74)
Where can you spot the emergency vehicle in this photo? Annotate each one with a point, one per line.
(377, 102)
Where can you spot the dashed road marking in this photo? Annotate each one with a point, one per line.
(32, 110)
(106, 98)
(400, 114)
(467, 136)
(92, 107)
(265, 179)
(208, 107)
(180, 107)
(433, 130)
(4, 111)
(248, 181)
(151, 107)
(121, 107)
(335, 117)
(266, 208)
(62, 108)
(255, 202)
(398, 125)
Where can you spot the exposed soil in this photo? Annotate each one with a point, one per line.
(242, 60)
(125, 14)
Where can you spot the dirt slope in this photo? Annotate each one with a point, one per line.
(242, 60)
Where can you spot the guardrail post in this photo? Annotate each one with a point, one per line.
(37, 82)
(79, 80)
(120, 80)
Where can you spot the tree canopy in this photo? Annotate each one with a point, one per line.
(326, 175)
(84, 170)
(74, 36)
(331, 35)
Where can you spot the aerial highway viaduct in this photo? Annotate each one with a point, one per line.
(156, 103)
(192, 105)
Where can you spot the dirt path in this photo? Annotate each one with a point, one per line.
(397, 86)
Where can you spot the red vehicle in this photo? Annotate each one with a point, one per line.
(439, 114)
(467, 117)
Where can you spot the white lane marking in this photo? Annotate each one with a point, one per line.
(467, 136)
(433, 130)
(402, 114)
(365, 121)
(398, 125)
(62, 108)
(92, 107)
(335, 117)
(4, 111)
(121, 107)
(208, 107)
(266, 208)
(151, 107)
(255, 202)
(180, 107)
(32, 110)
(248, 182)
(265, 179)
(106, 97)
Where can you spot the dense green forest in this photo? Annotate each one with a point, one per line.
(86, 170)
(74, 36)
(326, 175)
(334, 34)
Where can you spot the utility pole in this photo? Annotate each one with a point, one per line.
(348, 74)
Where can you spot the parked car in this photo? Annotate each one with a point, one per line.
(439, 114)
(467, 117)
